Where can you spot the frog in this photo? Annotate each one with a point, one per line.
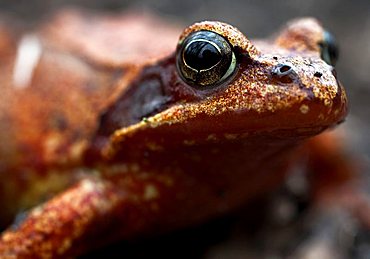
(123, 127)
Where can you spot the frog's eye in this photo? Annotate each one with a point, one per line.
(205, 58)
(329, 49)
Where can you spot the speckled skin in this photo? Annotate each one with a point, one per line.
(137, 150)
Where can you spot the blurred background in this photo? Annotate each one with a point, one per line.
(233, 237)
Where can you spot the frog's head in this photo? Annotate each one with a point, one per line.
(224, 87)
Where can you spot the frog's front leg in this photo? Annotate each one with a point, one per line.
(334, 176)
(90, 214)
(128, 200)
(328, 165)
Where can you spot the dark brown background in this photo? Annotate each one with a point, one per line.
(349, 21)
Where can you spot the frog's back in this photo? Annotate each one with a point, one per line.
(57, 80)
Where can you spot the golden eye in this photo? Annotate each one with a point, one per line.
(205, 59)
(329, 49)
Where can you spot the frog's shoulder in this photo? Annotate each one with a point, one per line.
(111, 40)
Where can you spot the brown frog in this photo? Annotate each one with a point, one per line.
(109, 129)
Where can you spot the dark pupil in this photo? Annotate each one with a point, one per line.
(201, 55)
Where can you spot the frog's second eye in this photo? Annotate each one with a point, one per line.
(329, 49)
(205, 58)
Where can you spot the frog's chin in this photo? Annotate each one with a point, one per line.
(301, 133)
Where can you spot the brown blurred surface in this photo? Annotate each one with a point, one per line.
(235, 237)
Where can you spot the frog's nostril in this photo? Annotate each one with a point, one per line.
(285, 69)
(282, 70)
(317, 74)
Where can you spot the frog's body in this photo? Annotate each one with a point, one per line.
(150, 152)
